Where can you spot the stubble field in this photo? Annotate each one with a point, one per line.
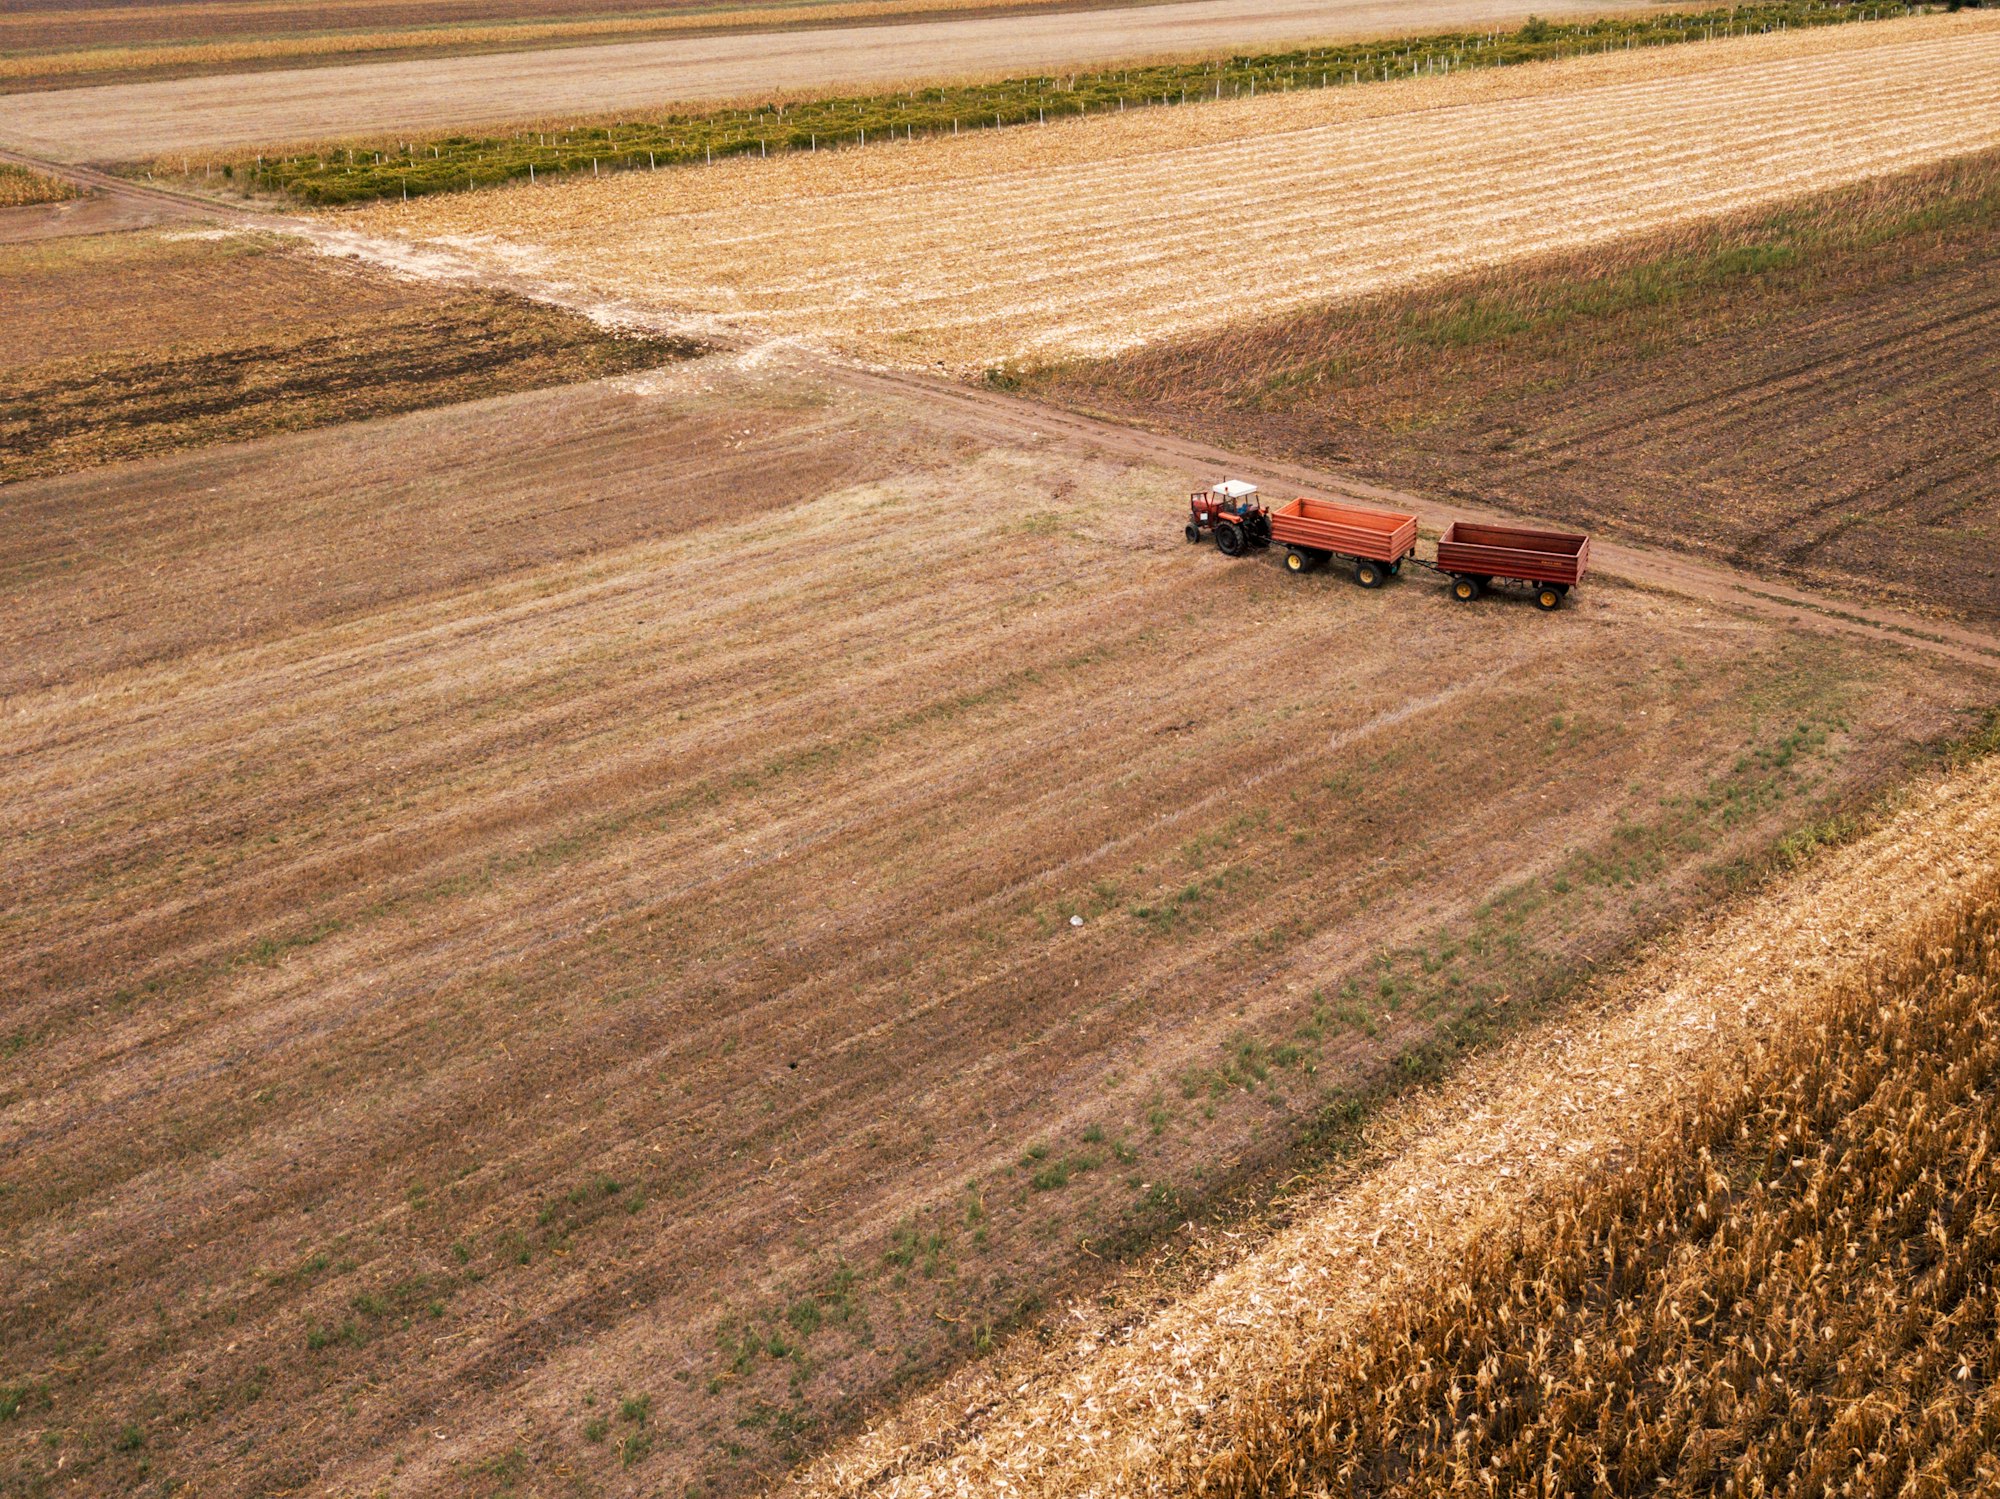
(543, 930)
(1098, 236)
(587, 939)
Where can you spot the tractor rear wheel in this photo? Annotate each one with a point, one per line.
(1368, 574)
(1229, 539)
(1193, 532)
(1548, 596)
(1465, 589)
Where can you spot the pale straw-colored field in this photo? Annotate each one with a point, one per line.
(1096, 235)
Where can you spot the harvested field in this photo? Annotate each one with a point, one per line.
(124, 346)
(182, 41)
(37, 33)
(338, 172)
(542, 929)
(138, 121)
(1797, 390)
(1700, 1132)
(1103, 235)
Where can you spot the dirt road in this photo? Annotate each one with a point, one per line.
(604, 929)
(122, 122)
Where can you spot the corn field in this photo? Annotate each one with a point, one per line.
(1791, 1293)
(361, 172)
(20, 187)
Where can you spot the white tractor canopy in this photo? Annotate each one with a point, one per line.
(1234, 489)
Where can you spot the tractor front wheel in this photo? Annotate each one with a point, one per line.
(1229, 539)
(1193, 532)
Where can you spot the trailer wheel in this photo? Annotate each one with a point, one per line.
(1229, 539)
(1548, 597)
(1396, 567)
(1368, 574)
(1466, 589)
(1297, 561)
(1193, 532)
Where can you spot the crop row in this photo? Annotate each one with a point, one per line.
(1791, 1291)
(359, 173)
(20, 187)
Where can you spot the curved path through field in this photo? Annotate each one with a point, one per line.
(135, 121)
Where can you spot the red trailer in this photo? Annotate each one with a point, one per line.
(1375, 541)
(1551, 562)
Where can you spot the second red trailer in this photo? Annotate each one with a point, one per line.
(1552, 562)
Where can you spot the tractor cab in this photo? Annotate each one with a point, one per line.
(1231, 512)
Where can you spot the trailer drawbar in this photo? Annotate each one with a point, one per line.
(1376, 543)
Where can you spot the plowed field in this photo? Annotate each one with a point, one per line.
(1145, 1409)
(1094, 236)
(596, 933)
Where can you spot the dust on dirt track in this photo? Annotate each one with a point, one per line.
(133, 121)
(1087, 237)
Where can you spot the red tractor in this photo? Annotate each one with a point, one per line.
(1231, 512)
